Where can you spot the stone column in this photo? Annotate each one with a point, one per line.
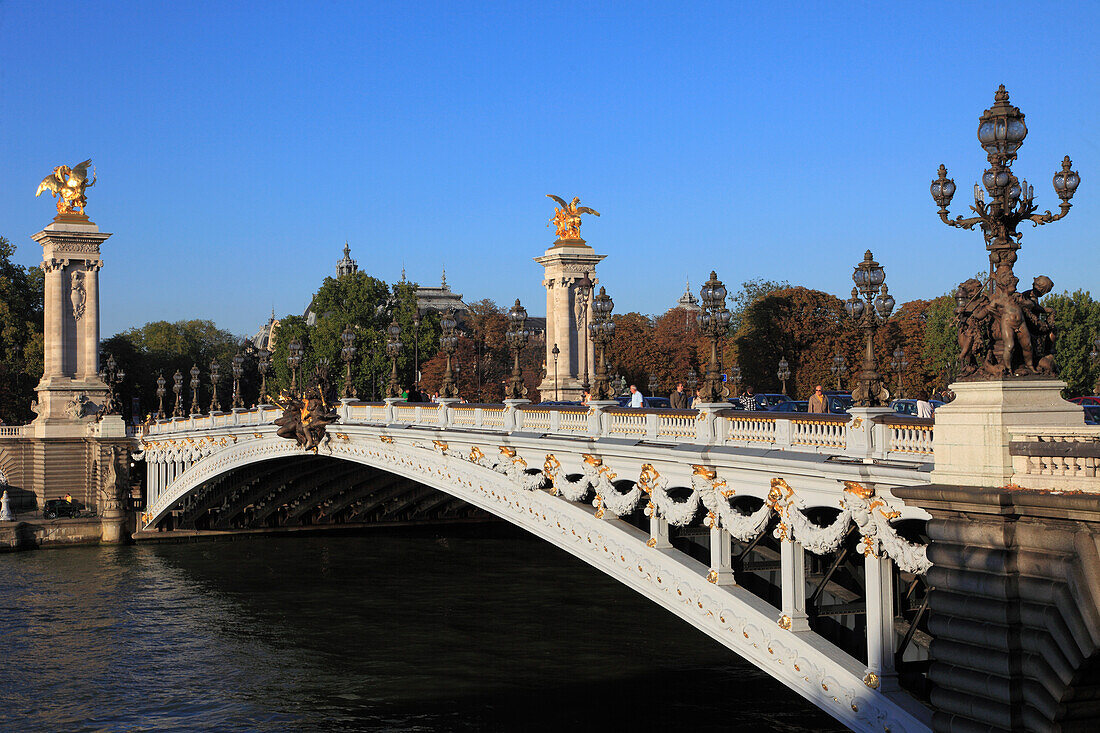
(566, 262)
(89, 336)
(881, 637)
(792, 577)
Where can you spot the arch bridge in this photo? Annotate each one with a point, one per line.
(777, 535)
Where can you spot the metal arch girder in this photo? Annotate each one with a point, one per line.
(293, 489)
(380, 481)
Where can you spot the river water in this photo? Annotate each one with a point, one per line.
(417, 632)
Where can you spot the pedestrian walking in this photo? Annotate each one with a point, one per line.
(818, 403)
(636, 397)
(678, 398)
(698, 399)
(748, 400)
(924, 407)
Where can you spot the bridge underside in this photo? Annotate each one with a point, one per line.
(313, 491)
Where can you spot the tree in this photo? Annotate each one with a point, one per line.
(750, 292)
(940, 349)
(21, 298)
(676, 348)
(804, 326)
(629, 352)
(1076, 323)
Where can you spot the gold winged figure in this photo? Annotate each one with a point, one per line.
(567, 217)
(68, 185)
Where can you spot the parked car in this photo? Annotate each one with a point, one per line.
(54, 508)
(909, 407)
(839, 402)
(1092, 414)
(559, 402)
(792, 406)
(653, 402)
(768, 401)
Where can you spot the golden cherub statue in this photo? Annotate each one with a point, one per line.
(567, 218)
(68, 185)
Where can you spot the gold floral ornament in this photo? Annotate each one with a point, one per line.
(784, 622)
(871, 680)
(67, 185)
(567, 217)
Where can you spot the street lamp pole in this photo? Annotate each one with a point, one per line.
(839, 368)
(448, 341)
(161, 391)
(899, 364)
(602, 330)
(293, 359)
(347, 353)
(784, 372)
(870, 304)
(393, 350)
(555, 351)
(714, 321)
(517, 337)
(196, 407)
(215, 377)
(177, 387)
(238, 371)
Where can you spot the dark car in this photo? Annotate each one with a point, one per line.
(839, 402)
(768, 401)
(792, 406)
(55, 508)
(1092, 414)
(559, 402)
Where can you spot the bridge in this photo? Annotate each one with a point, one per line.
(779, 536)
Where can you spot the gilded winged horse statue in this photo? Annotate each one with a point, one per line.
(68, 185)
(567, 218)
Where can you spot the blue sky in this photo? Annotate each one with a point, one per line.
(239, 145)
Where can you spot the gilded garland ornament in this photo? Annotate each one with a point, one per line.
(67, 184)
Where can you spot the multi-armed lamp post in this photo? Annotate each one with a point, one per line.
(735, 377)
(347, 353)
(784, 372)
(112, 376)
(215, 377)
(161, 391)
(602, 330)
(177, 387)
(293, 361)
(448, 341)
(839, 368)
(517, 337)
(870, 280)
(393, 350)
(714, 321)
(263, 366)
(238, 370)
(1001, 132)
(899, 364)
(196, 407)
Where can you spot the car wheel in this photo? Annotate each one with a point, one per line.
(49, 515)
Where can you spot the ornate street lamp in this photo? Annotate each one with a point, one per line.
(196, 408)
(393, 350)
(238, 370)
(839, 368)
(735, 376)
(692, 382)
(177, 387)
(347, 353)
(448, 342)
(584, 295)
(293, 359)
(602, 330)
(654, 385)
(555, 351)
(714, 321)
(784, 372)
(161, 391)
(416, 348)
(264, 365)
(517, 338)
(870, 280)
(899, 364)
(112, 376)
(215, 377)
(1001, 132)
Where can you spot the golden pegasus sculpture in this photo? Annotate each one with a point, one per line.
(68, 185)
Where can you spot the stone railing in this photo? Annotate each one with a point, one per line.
(891, 437)
(13, 431)
(1057, 458)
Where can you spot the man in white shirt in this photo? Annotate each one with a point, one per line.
(924, 407)
(635, 396)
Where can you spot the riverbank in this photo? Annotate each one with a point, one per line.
(36, 532)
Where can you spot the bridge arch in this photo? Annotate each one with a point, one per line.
(732, 615)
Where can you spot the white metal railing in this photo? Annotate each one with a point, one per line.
(899, 438)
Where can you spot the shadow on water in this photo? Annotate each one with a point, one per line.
(400, 632)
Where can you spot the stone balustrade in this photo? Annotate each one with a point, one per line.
(892, 437)
(1057, 458)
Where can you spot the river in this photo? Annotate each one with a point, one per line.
(395, 632)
